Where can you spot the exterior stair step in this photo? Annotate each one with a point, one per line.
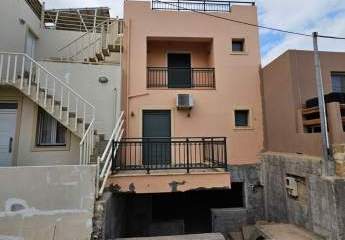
(93, 59)
(100, 56)
(114, 48)
(106, 52)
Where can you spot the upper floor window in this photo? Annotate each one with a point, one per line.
(49, 131)
(338, 82)
(242, 118)
(238, 45)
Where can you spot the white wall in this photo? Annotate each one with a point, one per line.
(83, 78)
(40, 203)
(25, 151)
(52, 40)
(29, 155)
(12, 37)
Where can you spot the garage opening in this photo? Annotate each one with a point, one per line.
(176, 213)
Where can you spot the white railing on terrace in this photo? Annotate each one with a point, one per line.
(53, 95)
(92, 43)
(104, 163)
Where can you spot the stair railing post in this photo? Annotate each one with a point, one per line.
(53, 98)
(81, 153)
(8, 68)
(84, 115)
(30, 77)
(187, 147)
(61, 102)
(45, 92)
(38, 84)
(22, 73)
(68, 103)
(89, 48)
(15, 69)
(76, 113)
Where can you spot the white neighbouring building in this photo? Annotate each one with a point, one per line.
(60, 98)
(73, 55)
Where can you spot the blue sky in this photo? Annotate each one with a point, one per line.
(324, 16)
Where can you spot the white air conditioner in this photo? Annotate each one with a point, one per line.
(184, 101)
(291, 186)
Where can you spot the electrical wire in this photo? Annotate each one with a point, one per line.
(251, 24)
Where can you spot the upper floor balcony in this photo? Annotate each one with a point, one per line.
(180, 63)
(197, 5)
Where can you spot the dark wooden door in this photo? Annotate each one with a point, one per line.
(179, 70)
(156, 133)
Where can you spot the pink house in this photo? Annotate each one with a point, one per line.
(192, 102)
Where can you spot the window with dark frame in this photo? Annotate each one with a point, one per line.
(338, 82)
(238, 45)
(49, 132)
(242, 118)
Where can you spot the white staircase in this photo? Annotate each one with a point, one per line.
(53, 95)
(95, 45)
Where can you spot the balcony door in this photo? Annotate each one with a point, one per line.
(156, 133)
(179, 70)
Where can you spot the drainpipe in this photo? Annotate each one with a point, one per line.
(327, 161)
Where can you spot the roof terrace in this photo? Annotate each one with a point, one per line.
(197, 5)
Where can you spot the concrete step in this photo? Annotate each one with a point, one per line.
(205, 236)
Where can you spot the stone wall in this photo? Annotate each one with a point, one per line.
(319, 206)
(232, 219)
(110, 216)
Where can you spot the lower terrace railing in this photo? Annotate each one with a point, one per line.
(169, 153)
(196, 5)
(168, 77)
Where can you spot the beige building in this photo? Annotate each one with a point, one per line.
(290, 105)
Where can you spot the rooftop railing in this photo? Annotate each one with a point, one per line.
(197, 5)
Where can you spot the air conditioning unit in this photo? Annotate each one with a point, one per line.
(184, 101)
(291, 186)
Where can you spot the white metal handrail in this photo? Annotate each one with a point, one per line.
(106, 158)
(87, 144)
(52, 94)
(86, 46)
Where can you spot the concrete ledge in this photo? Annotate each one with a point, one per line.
(179, 182)
(47, 202)
(206, 236)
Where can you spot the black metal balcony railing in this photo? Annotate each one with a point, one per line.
(162, 77)
(170, 153)
(196, 5)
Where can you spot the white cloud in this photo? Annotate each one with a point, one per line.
(307, 16)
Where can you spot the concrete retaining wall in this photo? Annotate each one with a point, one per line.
(319, 206)
(54, 202)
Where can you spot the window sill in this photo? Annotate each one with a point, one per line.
(50, 148)
(243, 128)
(238, 53)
